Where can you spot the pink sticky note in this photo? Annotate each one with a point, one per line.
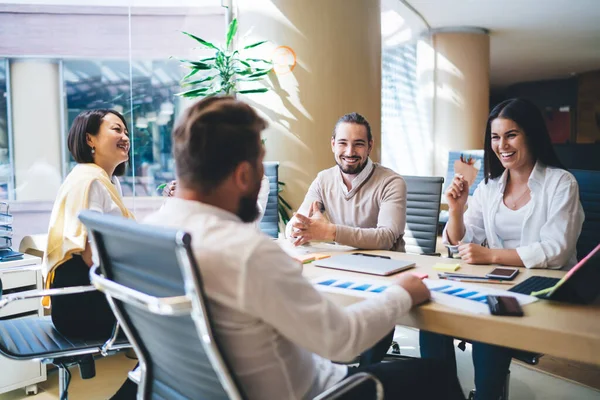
(420, 275)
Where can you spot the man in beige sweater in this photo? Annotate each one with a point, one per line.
(364, 203)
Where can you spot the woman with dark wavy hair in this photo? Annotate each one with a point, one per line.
(526, 213)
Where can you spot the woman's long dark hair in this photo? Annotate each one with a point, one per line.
(531, 121)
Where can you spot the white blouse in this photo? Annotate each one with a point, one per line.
(100, 200)
(508, 224)
(549, 229)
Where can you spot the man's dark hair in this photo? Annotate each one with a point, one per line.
(212, 138)
(354, 118)
(89, 122)
(531, 121)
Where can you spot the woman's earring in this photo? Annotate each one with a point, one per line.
(93, 150)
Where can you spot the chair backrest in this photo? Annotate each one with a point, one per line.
(150, 270)
(269, 223)
(422, 213)
(454, 156)
(589, 195)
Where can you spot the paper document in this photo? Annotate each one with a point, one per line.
(464, 296)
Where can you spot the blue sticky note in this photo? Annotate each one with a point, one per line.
(467, 294)
(328, 282)
(453, 291)
(379, 289)
(345, 285)
(361, 287)
(437, 289)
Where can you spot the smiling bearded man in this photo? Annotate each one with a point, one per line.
(365, 203)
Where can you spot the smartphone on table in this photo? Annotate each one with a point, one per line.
(507, 274)
(504, 305)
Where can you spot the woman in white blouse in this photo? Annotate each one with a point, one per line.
(99, 141)
(526, 213)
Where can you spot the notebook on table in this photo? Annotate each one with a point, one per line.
(365, 263)
(580, 285)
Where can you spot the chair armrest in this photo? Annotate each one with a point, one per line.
(345, 386)
(176, 305)
(30, 294)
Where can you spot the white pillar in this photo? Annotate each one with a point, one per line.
(462, 91)
(36, 127)
(337, 48)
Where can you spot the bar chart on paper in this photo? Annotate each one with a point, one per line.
(460, 295)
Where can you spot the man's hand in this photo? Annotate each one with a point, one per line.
(313, 227)
(475, 254)
(169, 190)
(415, 287)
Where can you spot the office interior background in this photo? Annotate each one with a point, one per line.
(425, 73)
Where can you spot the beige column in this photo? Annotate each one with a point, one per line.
(36, 128)
(337, 48)
(462, 89)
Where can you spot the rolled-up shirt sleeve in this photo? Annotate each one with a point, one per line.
(391, 221)
(560, 232)
(284, 299)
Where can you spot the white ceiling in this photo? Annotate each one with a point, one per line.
(530, 40)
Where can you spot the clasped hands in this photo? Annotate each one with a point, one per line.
(315, 226)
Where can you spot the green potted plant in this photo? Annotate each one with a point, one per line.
(220, 74)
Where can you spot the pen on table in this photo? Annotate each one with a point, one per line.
(458, 275)
(480, 280)
(372, 255)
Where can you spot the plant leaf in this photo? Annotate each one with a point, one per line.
(194, 92)
(196, 82)
(260, 73)
(260, 90)
(243, 62)
(255, 44)
(259, 60)
(197, 64)
(231, 32)
(285, 203)
(192, 73)
(203, 42)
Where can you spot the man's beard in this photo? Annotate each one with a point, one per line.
(248, 209)
(352, 170)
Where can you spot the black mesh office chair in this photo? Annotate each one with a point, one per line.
(269, 223)
(154, 286)
(35, 338)
(422, 213)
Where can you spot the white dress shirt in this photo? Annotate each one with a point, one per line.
(550, 228)
(277, 331)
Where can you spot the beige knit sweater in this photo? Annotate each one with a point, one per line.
(372, 215)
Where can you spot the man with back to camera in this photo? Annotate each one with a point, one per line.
(276, 330)
(365, 202)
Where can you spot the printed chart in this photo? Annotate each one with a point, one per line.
(460, 295)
